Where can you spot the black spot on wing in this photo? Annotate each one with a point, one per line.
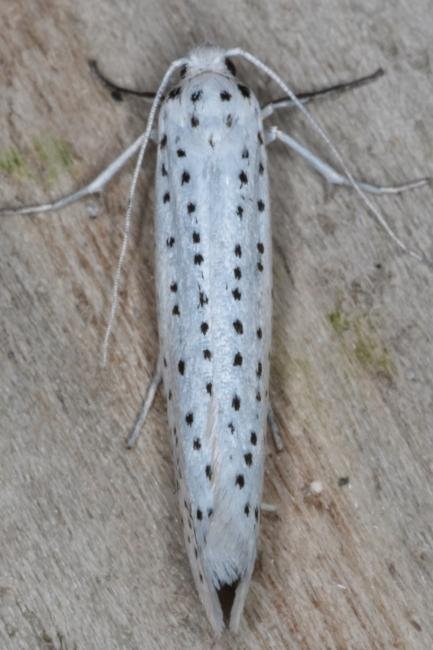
(245, 92)
(238, 327)
(240, 481)
(230, 66)
(174, 92)
(243, 178)
(196, 95)
(248, 458)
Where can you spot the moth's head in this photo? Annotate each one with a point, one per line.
(207, 58)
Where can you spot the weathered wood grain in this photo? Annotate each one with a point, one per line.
(91, 554)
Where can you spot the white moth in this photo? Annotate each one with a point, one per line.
(213, 280)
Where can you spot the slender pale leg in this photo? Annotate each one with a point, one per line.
(145, 407)
(94, 187)
(330, 174)
(275, 430)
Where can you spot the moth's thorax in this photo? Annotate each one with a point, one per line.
(210, 103)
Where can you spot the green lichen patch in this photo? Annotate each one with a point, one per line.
(53, 156)
(361, 342)
(338, 321)
(12, 162)
(371, 353)
(43, 161)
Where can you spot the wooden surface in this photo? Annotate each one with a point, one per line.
(91, 553)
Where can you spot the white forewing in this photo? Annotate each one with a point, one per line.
(213, 275)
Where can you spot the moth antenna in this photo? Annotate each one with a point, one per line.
(127, 222)
(319, 129)
(118, 91)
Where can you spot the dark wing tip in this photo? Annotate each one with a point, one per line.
(226, 595)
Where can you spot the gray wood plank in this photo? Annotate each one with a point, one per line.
(91, 549)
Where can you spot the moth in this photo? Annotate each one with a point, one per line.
(213, 255)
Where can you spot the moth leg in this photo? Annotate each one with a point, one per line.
(307, 97)
(275, 431)
(145, 407)
(268, 507)
(94, 187)
(330, 174)
(117, 92)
